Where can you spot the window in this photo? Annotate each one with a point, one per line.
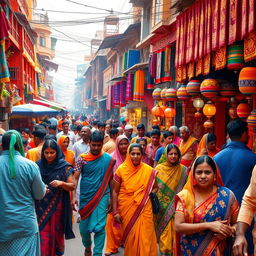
(158, 8)
(42, 41)
(53, 43)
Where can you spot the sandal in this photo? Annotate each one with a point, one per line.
(110, 253)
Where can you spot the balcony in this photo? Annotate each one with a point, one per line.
(14, 73)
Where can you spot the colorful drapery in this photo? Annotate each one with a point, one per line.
(139, 81)
(122, 94)
(109, 98)
(250, 47)
(158, 67)
(152, 65)
(166, 64)
(129, 87)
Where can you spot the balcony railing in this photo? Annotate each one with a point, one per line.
(14, 73)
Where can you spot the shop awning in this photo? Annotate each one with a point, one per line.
(136, 67)
(50, 104)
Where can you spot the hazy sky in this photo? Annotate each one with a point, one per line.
(69, 52)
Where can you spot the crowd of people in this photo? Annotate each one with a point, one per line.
(149, 192)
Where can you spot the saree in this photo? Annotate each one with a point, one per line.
(114, 234)
(135, 208)
(202, 148)
(54, 213)
(69, 154)
(221, 205)
(170, 180)
(185, 148)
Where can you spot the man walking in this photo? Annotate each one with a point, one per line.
(82, 146)
(21, 184)
(96, 173)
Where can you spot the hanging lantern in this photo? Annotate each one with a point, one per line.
(193, 87)
(247, 81)
(227, 89)
(157, 111)
(182, 93)
(209, 109)
(251, 120)
(209, 88)
(235, 57)
(198, 103)
(171, 94)
(232, 113)
(163, 107)
(156, 94)
(197, 114)
(208, 124)
(170, 112)
(162, 94)
(239, 96)
(243, 110)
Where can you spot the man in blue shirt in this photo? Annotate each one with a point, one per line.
(236, 162)
(21, 184)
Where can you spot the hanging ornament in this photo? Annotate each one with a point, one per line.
(210, 88)
(182, 93)
(162, 95)
(171, 94)
(198, 103)
(208, 124)
(193, 87)
(251, 120)
(232, 113)
(156, 94)
(209, 109)
(227, 89)
(235, 56)
(243, 110)
(247, 80)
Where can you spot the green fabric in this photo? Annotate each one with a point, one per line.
(163, 157)
(15, 139)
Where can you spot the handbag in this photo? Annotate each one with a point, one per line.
(155, 203)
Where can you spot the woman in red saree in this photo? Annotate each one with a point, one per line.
(206, 212)
(207, 145)
(133, 182)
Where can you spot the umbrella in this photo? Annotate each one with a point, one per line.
(33, 110)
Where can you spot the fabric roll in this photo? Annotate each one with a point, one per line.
(129, 86)
(152, 64)
(139, 81)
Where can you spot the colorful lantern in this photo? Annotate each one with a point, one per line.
(209, 109)
(227, 89)
(251, 120)
(163, 93)
(193, 87)
(235, 57)
(170, 112)
(243, 110)
(156, 94)
(198, 103)
(232, 113)
(157, 111)
(182, 93)
(197, 114)
(247, 81)
(171, 94)
(163, 107)
(209, 88)
(208, 124)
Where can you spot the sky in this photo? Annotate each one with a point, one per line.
(73, 37)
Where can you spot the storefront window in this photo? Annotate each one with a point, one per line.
(42, 41)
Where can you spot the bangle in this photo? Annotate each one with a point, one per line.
(115, 213)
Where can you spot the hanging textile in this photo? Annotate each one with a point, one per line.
(234, 23)
(150, 81)
(220, 58)
(199, 67)
(206, 64)
(139, 81)
(191, 70)
(152, 64)
(108, 103)
(162, 64)
(116, 96)
(250, 47)
(167, 65)
(124, 64)
(129, 86)
(112, 96)
(158, 67)
(122, 94)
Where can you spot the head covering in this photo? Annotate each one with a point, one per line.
(116, 154)
(15, 139)
(128, 127)
(61, 141)
(163, 158)
(187, 194)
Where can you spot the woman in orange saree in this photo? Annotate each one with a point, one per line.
(206, 212)
(69, 154)
(207, 145)
(133, 182)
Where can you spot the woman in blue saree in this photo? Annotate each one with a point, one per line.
(206, 212)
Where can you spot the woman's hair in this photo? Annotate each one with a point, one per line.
(135, 145)
(208, 160)
(49, 144)
(141, 139)
(211, 137)
(171, 146)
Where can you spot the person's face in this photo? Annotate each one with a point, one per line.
(25, 135)
(102, 130)
(85, 133)
(141, 132)
(143, 145)
(108, 128)
(123, 146)
(204, 175)
(37, 141)
(168, 140)
(183, 134)
(128, 133)
(66, 143)
(51, 131)
(155, 140)
(136, 156)
(96, 147)
(120, 131)
(50, 155)
(211, 145)
(65, 128)
(173, 156)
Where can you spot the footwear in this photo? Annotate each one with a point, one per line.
(88, 252)
(110, 253)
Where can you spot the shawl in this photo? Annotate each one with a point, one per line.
(202, 147)
(184, 147)
(116, 154)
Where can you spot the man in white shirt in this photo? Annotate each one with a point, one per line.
(67, 132)
(82, 146)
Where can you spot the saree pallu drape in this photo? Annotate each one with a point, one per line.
(218, 206)
(170, 180)
(135, 208)
(138, 94)
(129, 87)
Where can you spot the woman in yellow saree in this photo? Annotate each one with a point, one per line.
(206, 212)
(133, 182)
(171, 178)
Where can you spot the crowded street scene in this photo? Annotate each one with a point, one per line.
(128, 128)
